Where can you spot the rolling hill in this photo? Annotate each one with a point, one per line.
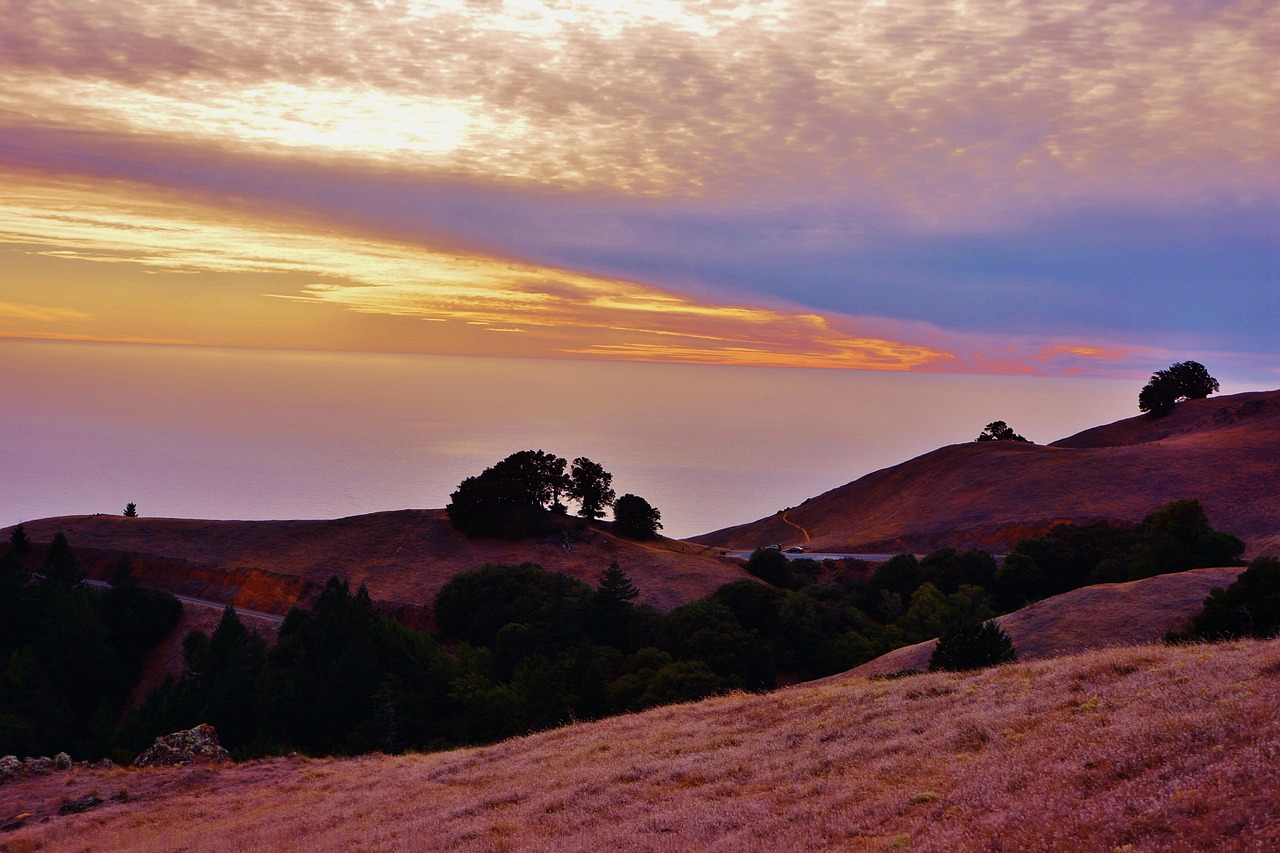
(1139, 748)
(403, 557)
(1092, 617)
(1224, 451)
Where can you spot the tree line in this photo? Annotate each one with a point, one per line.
(517, 649)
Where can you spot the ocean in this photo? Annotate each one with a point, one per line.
(271, 434)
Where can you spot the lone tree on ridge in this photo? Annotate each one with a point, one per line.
(1183, 380)
(1001, 431)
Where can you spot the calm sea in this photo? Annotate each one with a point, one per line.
(253, 434)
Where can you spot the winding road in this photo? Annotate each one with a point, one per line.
(203, 602)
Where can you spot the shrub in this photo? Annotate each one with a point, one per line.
(972, 645)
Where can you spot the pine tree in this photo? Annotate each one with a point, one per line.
(60, 565)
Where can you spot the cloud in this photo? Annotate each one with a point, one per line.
(936, 109)
(26, 311)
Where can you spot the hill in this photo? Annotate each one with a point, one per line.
(403, 557)
(1099, 616)
(1225, 451)
(1141, 748)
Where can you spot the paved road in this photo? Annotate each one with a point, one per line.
(816, 555)
(204, 602)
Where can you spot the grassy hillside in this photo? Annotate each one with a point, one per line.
(1225, 451)
(403, 557)
(1098, 616)
(1142, 748)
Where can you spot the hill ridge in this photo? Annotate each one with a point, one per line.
(1224, 451)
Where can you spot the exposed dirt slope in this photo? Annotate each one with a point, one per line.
(1109, 614)
(1225, 451)
(404, 558)
(1150, 748)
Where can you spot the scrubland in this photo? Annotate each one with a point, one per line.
(1137, 748)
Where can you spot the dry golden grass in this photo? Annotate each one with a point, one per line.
(1225, 451)
(1141, 748)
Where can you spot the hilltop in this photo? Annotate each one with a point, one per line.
(403, 557)
(1138, 748)
(1224, 451)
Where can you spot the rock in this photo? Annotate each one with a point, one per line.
(62, 761)
(10, 767)
(37, 764)
(104, 764)
(198, 745)
(79, 804)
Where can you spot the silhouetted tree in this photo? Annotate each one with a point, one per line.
(635, 518)
(131, 510)
(1000, 431)
(19, 544)
(1183, 380)
(60, 566)
(591, 486)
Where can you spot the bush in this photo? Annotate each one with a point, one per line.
(972, 645)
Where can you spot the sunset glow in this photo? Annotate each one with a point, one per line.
(986, 185)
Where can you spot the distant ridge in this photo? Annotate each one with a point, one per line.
(404, 557)
(1224, 451)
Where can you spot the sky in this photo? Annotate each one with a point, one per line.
(1004, 187)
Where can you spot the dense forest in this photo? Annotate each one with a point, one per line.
(516, 648)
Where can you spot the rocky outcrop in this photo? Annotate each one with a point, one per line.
(194, 746)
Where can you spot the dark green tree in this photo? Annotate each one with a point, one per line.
(1250, 607)
(19, 544)
(1183, 380)
(1000, 431)
(972, 645)
(611, 611)
(60, 566)
(771, 566)
(591, 486)
(635, 518)
(131, 510)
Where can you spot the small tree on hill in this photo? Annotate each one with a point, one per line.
(972, 645)
(1183, 380)
(636, 518)
(1001, 431)
(131, 510)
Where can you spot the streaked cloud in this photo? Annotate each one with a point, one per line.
(978, 185)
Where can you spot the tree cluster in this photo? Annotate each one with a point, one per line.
(523, 495)
(1001, 431)
(70, 655)
(1183, 380)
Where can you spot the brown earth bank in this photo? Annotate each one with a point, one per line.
(1136, 749)
(403, 557)
(1099, 616)
(1223, 451)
